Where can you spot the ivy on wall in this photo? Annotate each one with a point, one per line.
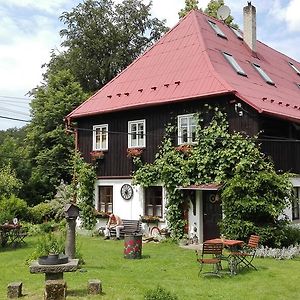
(83, 188)
(251, 185)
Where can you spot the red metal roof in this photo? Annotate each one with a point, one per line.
(187, 63)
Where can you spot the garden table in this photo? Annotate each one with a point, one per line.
(10, 234)
(232, 245)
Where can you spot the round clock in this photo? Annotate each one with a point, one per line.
(126, 191)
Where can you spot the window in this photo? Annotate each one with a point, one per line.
(100, 137)
(234, 64)
(105, 199)
(296, 204)
(136, 134)
(237, 33)
(298, 85)
(216, 28)
(153, 201)
(186, 129)
(295, 68)
(263, 74)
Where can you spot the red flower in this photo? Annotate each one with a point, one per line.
(134, 152)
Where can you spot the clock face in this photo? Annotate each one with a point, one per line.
(126, 191)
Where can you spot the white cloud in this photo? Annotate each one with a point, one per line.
(50, 6)
(287, 12)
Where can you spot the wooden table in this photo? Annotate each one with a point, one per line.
(232, 245)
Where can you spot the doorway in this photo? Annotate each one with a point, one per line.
(212, 214)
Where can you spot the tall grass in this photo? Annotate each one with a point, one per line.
(165, 265)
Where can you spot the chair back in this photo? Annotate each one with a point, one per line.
(253, 241)
(212, 248)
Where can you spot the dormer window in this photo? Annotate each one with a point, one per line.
(263, 74)
(234, 64)
(294, 68)
(217, 30)
(237, 33)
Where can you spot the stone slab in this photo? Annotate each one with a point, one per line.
(71, 266)
(14, 290)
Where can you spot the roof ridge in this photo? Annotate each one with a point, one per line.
(209, 64)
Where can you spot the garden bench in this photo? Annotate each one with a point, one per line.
(130, 227)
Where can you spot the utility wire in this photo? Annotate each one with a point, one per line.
(15, 119)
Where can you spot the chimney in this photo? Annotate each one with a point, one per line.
(250, 26)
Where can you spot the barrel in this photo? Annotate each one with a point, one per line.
(133, 246)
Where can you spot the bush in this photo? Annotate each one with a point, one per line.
(40, 212)
(159, 294)
(291, 236)
(12, 207)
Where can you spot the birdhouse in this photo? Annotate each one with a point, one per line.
(71, 211)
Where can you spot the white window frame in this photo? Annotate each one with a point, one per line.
(142, 144)
(189, 132)
(101, 127)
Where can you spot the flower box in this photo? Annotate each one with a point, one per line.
(95, 155)
(150, 219)
(134, 152)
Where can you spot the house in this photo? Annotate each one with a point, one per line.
(201, 60)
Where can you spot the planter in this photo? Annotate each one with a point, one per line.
(53, 259)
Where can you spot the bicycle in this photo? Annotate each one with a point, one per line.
(152, 231)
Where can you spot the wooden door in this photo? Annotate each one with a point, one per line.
(212, 214)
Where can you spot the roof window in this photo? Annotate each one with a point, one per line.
(295, 68)
(234, 64)
(217, 30)
(263, 74)
(238, 33)
(298, 85)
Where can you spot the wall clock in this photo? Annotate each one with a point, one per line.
(126, 191)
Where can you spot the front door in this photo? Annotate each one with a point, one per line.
(212, 214)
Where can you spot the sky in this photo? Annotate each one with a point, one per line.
(29, 30)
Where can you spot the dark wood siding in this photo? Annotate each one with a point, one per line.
(116, 163)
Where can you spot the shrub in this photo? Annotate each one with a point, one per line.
(159, 294)
(12, 207)
(40, 212)
(291, 236)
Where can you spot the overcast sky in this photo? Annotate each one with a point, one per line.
(29, 29)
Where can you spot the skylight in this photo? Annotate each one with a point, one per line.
(295, 68)
(234, 64)
(263, 74)
(217, 30)
(298, 85)
(237, 33)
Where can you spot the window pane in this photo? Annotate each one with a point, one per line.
(263, 74)
(216, 28)
(153, 201)
(106, 198)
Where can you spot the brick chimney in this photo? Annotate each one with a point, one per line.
(250, 26)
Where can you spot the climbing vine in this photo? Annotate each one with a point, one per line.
(219, 156)
(83, 188)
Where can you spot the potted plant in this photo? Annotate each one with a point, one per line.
(150, 219)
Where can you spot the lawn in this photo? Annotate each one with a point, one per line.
(165, 264)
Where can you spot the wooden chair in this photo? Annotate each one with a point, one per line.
(214, 250)
(247, 254)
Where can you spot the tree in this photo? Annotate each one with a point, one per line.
(102, 38)
(50, 149)
(9, 183)
(212, 8)
(189, 5)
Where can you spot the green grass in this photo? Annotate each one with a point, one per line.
(165, 264)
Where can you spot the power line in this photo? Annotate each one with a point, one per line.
(15, 119)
